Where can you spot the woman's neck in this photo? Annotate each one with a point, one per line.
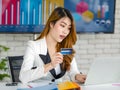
(51, 43)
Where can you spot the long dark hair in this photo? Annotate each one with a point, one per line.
(69, 41)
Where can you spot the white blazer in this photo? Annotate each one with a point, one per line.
(32, 59)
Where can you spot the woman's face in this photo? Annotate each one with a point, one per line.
(60, 29)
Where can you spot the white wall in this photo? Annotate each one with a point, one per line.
(87, 47)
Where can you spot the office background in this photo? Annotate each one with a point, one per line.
(88, 46)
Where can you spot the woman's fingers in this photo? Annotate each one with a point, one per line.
(57, 59)
(81, 78)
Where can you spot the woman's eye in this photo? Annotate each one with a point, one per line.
(62, 25)
(69, 28)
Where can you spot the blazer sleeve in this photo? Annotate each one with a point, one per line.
(73, 70)
(27, 72)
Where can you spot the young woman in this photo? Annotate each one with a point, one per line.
(43, 59)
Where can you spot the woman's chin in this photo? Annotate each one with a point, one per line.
(60, 40)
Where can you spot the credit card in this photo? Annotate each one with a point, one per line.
(66, 51)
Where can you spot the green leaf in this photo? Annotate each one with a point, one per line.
(5, 68)
(4, 48)
(2, 76)
(3, 62)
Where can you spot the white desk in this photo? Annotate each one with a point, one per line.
(4, 87)
(89, 87)
(101, 87)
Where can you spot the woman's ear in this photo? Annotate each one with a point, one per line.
(51, 24)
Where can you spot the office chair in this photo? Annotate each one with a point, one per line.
(15, 63)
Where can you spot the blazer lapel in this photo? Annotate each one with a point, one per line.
(46, 58)
(61, 74)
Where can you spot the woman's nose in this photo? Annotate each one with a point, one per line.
(65, 31)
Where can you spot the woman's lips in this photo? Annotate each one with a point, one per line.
(62, 36)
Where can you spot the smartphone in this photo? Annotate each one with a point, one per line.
(66, 51)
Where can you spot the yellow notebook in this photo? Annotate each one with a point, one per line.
(68, 85)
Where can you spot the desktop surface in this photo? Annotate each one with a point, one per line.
(4, 87)
(109, 86)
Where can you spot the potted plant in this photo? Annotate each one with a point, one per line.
(3, 63)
